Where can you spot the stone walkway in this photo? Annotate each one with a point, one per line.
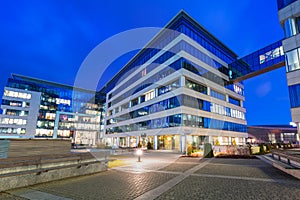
(164, 176)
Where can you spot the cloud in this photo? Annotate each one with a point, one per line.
(263, 89)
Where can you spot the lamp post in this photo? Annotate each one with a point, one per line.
(139, 152)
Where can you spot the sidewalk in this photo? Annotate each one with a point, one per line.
(166, 176)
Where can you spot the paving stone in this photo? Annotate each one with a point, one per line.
(221, 188)
(106, 185)
(178, 167)
(191, 178)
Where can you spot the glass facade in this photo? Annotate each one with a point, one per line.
(196, 86)
(292, 59)
(217, 95)
(179, 120)
(177, 101)
(55, 99)
(294, 91)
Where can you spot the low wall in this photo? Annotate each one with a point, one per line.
(26, 171)
(231, 149)
(29, 147)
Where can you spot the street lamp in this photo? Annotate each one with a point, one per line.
(139, 152)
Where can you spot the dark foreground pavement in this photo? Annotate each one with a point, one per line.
(184, 178)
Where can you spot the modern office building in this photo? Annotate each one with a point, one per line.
(38, 108)
(273, 134)
(176, 91)
(289, 17)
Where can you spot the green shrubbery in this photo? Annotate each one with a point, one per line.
(208, 151)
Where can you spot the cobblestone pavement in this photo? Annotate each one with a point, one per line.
(164, 176)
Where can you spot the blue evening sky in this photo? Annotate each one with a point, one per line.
(50, 39)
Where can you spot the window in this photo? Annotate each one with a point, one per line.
(172, 86)
(292, 58)
(14, 121)
(294, 91)
(134, 102)
(290, 27)
(234, 101)
(124, 106)
(50, 116)
(21, 95)
(217, 95)
(195, 86)
(150, 95)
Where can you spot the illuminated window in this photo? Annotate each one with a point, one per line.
(292, 58)
(149, 95)
(20, 95)
(13, 121)
(50, 116)
(270, 55)
(63, 101)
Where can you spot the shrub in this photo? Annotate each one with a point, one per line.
(208, 151)
(190, 149)
(261, 149)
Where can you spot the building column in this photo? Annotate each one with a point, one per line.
(55, 130)
(182, 143)
(128, 141)
(156, 92)
(137, 141)
(155, 142)
(118, 141)
(182, 81)
(208, 91)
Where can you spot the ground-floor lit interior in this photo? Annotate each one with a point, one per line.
(175, 142)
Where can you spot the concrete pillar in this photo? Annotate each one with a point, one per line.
(56, 125)
(155, 92)
(226, 98)
(182, 143)
(137, 140)
(208, 91)
(182, 81)
(155, 142)
(128, 141)
(118, 141)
